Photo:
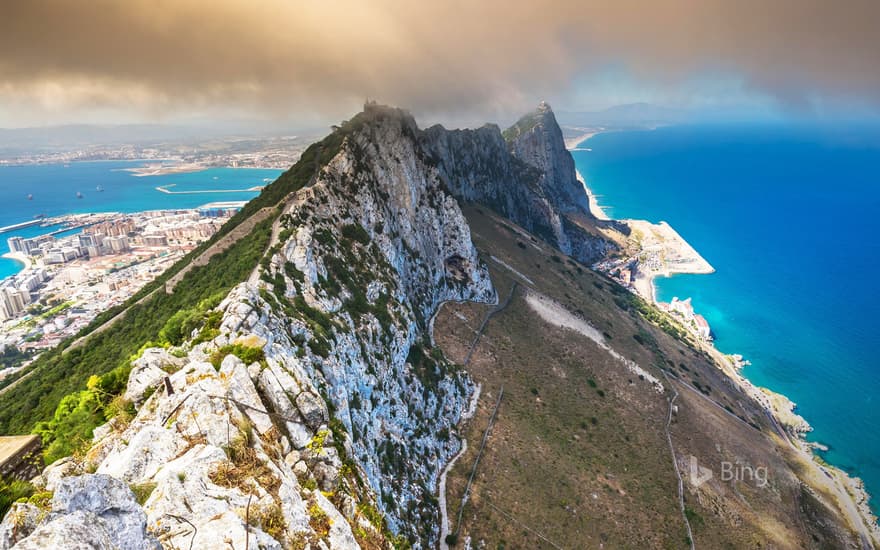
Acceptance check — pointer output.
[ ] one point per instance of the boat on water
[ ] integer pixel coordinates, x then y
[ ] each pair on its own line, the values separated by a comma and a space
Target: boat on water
79, 195
99, 189
30, 197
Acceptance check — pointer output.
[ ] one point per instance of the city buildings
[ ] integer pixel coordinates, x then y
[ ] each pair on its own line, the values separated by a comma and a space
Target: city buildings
100, 262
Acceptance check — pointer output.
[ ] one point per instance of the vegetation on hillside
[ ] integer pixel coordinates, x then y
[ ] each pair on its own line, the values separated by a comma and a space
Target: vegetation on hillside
65, 411
522, 126
11, 356
56, 400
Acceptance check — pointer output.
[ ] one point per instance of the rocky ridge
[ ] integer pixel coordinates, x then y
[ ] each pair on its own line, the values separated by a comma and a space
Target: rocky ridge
318, 415
526, 174
311, 409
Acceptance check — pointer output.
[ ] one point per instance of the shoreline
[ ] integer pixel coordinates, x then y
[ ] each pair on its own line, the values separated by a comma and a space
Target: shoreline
595, 208
150, 170
679, 257
20, 259
849, 490
162, 169
166, 189
17, 257
571, 144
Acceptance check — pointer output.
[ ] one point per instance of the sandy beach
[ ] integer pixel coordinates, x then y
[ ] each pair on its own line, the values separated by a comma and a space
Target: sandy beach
573, 142
595, 209
18, 257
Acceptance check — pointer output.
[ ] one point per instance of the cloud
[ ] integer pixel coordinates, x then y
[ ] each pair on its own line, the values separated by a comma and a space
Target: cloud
160, 56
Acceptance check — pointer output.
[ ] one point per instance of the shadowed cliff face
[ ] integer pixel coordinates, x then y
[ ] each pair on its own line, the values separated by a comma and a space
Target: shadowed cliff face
526, 174
537, 140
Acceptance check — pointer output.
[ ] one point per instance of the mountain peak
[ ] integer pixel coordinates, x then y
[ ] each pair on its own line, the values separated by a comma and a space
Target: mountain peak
537, 140
541, 116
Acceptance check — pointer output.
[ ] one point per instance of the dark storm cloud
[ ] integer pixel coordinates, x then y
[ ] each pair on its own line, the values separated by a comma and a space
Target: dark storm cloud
447, 56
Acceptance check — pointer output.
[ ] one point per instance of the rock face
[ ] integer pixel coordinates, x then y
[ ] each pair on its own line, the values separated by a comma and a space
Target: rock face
320, 415
526, 174
88, 512
536, 139
376, 244
335, 431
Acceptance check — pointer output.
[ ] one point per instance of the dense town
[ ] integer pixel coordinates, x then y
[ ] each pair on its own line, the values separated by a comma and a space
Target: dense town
91, 263
256, 152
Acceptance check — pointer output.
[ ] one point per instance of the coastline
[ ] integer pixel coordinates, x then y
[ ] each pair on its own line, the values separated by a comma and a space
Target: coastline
595, 209
154, 169
163, 169
18, 257
849, 491
572, 143
167, 190
678, 256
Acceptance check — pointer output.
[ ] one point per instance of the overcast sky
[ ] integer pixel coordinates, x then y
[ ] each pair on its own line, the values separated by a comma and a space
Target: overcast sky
316, 61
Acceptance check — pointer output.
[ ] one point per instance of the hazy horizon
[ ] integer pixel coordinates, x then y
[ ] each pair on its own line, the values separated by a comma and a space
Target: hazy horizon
458, 63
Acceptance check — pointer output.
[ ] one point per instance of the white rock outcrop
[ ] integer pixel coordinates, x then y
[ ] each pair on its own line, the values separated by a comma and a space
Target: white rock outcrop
89, 512
342, 414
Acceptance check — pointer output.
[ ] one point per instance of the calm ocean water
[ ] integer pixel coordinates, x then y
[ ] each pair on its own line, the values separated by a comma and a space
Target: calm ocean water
790, 217
54, 188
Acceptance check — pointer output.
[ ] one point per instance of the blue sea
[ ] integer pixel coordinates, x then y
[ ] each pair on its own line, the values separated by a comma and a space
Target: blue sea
789, 216
54, 189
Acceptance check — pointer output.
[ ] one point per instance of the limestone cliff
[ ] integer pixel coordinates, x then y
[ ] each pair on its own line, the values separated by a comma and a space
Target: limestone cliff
537, 140
318, 413
525, 174
311, 410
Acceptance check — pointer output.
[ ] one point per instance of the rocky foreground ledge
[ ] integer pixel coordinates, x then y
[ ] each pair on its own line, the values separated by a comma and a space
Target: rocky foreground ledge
310, 410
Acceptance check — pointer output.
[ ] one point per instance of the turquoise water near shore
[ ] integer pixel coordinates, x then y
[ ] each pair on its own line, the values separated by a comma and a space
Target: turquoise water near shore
54, 188
789, 217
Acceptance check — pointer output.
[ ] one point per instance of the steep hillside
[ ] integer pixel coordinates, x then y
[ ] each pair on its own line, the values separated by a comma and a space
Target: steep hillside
585, 452
314, 390
527, 175
312, 386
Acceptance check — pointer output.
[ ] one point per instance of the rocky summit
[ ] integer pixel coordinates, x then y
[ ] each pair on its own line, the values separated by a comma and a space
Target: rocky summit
323, 400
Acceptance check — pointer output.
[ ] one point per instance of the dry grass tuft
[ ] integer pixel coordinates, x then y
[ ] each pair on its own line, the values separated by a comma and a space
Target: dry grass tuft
319, 521
243, 467
270, 519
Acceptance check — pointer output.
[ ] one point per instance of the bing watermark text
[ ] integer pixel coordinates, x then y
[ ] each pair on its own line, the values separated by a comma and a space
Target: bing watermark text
727, 472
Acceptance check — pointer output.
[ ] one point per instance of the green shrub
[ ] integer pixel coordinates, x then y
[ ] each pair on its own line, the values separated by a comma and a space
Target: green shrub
55, 400
58, 374
247, 354
12, 490
355, 232
142, 491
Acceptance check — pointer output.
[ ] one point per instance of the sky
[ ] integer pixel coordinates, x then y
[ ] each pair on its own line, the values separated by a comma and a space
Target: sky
172, 61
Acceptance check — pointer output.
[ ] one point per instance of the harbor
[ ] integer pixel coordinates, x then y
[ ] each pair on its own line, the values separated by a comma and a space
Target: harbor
22, 225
